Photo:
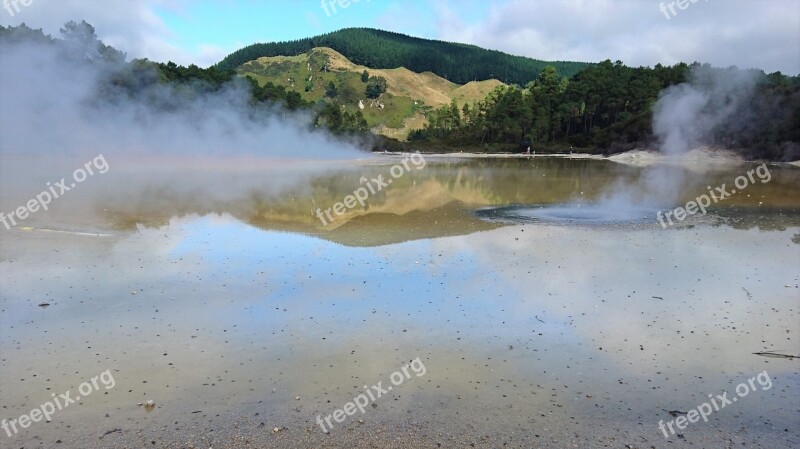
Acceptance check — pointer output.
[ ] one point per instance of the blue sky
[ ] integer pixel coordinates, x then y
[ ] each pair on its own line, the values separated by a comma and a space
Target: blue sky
233, 22
747, 33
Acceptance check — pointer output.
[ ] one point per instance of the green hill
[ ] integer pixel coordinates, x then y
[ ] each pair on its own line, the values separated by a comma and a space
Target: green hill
373, 48
395, 113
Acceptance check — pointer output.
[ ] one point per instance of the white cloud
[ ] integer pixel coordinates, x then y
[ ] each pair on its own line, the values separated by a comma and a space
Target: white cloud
129, 25
763, 34
745, 33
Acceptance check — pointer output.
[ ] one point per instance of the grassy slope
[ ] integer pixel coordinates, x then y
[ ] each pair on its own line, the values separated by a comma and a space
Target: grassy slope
408, 93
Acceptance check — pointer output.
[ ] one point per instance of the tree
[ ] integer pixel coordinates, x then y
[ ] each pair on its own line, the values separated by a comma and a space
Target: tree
294, 101
364, 76
331, 91
376, 85
83, 42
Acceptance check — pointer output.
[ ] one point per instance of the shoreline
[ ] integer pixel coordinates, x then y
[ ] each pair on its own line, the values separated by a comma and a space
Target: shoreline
638, 158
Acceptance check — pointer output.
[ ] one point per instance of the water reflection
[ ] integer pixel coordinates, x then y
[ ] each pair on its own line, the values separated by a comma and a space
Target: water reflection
436, 201
564, 325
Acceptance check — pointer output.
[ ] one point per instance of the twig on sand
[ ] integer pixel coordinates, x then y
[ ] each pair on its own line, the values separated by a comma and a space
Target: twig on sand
110, 432
776, 355
537, 317
749, 296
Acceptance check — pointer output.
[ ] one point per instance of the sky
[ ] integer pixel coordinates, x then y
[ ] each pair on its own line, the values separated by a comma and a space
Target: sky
761, 34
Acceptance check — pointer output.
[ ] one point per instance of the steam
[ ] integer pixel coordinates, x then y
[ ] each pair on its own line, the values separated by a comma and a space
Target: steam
50, 105
686, 115
59, 110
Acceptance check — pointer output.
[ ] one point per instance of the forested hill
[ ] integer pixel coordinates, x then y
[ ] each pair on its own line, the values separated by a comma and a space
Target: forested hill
458, 63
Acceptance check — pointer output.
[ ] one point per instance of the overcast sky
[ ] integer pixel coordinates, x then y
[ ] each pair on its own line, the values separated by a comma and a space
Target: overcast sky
748, 33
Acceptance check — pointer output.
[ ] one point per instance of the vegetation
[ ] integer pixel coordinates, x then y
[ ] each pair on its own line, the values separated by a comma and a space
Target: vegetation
608, 107
142, 79
458, 63
394, 112
605, 107
376, 85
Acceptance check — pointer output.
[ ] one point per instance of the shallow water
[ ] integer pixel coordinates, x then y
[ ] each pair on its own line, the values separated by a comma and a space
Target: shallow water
225, 301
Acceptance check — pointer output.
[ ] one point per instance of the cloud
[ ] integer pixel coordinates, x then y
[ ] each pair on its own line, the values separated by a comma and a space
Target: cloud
732, 32
132, 26
745, 33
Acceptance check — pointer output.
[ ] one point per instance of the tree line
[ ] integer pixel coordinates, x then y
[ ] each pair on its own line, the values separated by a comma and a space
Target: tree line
608, 107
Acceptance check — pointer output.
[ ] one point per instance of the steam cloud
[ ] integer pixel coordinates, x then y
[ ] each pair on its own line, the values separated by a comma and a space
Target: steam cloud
685, 118
47, 108
686, 115
55, 115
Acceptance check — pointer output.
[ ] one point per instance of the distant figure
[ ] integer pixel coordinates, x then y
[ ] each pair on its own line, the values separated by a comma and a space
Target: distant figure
529, 150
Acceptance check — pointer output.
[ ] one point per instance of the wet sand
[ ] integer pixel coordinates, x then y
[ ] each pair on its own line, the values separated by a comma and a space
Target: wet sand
533, 334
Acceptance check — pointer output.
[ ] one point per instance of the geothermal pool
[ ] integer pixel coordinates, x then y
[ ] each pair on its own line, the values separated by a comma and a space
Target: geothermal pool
543, 312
